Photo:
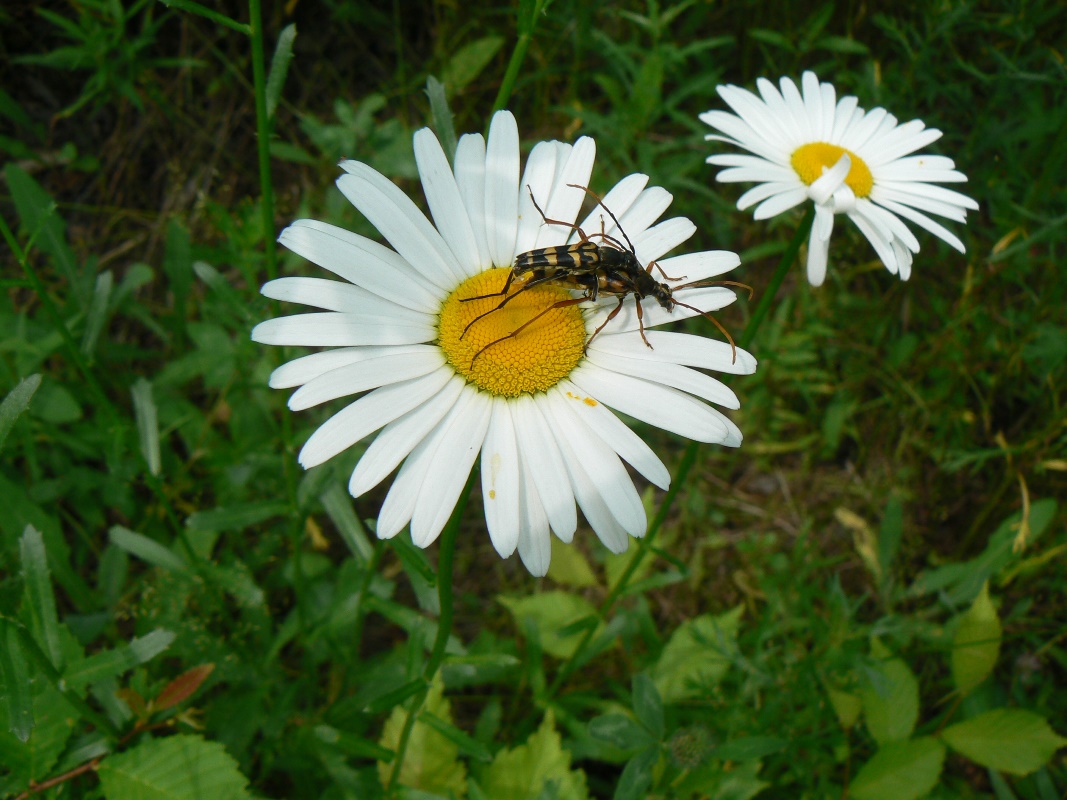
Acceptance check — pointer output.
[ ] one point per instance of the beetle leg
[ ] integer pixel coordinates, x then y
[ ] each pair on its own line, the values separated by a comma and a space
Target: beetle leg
561, 304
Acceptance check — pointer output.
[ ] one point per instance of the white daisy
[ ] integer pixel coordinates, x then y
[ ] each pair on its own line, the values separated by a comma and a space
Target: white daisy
534, 405
846, 160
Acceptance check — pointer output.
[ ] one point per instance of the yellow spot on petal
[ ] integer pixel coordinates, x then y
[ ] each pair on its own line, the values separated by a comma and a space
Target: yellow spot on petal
810, 160
532, 361
492, 494
589, 401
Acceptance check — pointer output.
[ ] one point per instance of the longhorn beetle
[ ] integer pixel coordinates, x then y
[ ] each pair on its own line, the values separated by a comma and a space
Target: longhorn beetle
610, 267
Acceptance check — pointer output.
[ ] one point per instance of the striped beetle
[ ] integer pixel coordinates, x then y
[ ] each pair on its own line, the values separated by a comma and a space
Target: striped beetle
610, 267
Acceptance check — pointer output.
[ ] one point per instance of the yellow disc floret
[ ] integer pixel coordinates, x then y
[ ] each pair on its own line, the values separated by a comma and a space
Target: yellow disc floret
809, 160
491, 355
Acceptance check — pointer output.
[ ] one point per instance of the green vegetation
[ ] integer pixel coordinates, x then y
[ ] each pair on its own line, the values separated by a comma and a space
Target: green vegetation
866, 600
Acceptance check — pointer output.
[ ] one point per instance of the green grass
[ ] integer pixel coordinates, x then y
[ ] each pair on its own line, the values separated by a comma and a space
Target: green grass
807, 617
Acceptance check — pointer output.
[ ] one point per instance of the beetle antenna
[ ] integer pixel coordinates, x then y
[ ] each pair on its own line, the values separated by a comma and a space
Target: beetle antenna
610, 213
726, 333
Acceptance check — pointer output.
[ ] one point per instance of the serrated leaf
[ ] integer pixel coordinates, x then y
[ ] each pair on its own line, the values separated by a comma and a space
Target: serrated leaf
976, 645
33, 759
17, 401
182, 687
890, 698
1010, 740
14, 684
431, 762
180, 767
552, 613
900, 771
147, 550
521, 773
40, 601
697, 655
110, 663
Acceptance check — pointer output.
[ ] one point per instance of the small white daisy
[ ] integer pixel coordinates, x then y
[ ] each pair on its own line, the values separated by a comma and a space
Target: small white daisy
534, 405
846, 160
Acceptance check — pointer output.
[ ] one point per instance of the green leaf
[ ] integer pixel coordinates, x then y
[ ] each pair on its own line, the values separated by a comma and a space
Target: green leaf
33, 759
144, 409
648, 706
279, 67
431, 762
469, 61
1008, 739
40, 601
110, 663
749, 748
847, 705
890, 698
551, 614
338, 507
147, 550
889, 535
97, 314
236, 517
522, 773
468, 745
569, 567
620, 731
443, 123
179, 767
900, 771
976, 645
14, 684
636, 776
697, 656
17, 401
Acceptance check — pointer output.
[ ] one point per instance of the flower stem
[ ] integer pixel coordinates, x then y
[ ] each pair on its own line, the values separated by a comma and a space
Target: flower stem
444, 626
689, 457
266, 190
518, 55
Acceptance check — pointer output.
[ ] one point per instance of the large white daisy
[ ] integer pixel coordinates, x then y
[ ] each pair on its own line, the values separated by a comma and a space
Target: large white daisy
844, 159
534, 405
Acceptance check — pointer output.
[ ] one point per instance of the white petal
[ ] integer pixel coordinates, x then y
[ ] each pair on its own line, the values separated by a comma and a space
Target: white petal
365, 375
470, 177
662, 238
880, 243
920, 219
830, 181
674, 375
446, 203
400, 437
599, 462
363, 262
301, 370
615, 434
333, 329
782, 202
500, 480
536, 184
344, 297
657, 405
566, 200
535, 546
502, 188
464, 431
819, 245
679, 348
700, 266
399, 220
546, 465
369, 413
703, 299
646, 209
617, 201
757, 194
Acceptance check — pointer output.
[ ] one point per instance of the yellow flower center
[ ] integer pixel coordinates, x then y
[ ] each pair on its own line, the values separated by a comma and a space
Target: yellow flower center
496, 358
809, 160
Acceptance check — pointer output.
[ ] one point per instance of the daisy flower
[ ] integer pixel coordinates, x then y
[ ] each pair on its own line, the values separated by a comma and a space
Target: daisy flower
535, 406
844, 159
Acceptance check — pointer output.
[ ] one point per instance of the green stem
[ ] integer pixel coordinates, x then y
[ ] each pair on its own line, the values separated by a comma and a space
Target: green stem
689, 457
518, 55
444, 626
266, 190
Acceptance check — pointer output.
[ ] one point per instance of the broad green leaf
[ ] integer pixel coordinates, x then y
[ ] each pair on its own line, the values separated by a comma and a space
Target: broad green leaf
279, 67
1010, 740
468, 63
110, 663
636, 776
178, 767
847, 705
147, 550
144, 409
552, 613
570, 567
620, 731
34, 758
900, 771
17, 401
17, 707
40, 601
648, 705
431, 762
890, 698
976, 645
697, 656
521, 773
